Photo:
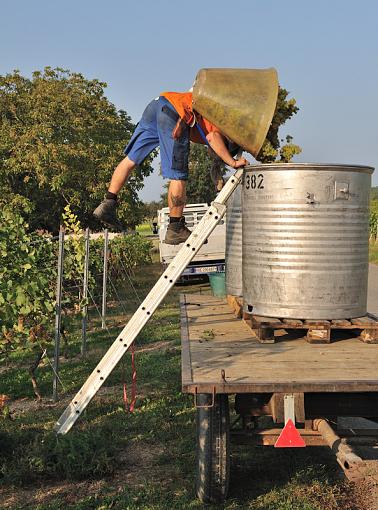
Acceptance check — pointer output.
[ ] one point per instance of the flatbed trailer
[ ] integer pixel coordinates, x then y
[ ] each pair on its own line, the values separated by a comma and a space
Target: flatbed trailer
331, 388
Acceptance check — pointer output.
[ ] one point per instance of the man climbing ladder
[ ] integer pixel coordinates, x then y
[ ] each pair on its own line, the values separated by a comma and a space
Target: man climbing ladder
260, 94
170, 122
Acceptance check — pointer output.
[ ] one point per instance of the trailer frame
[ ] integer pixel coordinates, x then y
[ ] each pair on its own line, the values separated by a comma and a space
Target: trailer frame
215, 367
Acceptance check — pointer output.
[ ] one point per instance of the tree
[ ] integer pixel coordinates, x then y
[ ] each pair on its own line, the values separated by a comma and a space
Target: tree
374, 193
150, 210
60, 139
200, 187
272, 149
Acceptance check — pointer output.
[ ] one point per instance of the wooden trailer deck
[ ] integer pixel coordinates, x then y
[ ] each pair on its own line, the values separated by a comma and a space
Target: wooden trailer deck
221, 355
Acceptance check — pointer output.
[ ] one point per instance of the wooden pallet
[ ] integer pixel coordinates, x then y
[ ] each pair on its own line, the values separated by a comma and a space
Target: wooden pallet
219, 351
318, 331
236, 305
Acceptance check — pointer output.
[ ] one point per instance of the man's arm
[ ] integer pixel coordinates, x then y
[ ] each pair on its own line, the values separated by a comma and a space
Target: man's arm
216, 142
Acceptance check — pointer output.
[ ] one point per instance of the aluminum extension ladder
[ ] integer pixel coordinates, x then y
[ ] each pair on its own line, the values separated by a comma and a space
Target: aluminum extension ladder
161, 288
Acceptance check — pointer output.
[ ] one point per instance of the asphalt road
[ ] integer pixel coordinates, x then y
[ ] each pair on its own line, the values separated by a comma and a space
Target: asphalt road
373, 289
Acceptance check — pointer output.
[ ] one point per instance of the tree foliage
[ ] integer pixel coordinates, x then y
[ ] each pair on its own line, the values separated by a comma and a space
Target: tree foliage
60, 139
125, 253
373, 221
374, 194
28, 263
273, 148
373, 225
150, 210
200, 187
27, 276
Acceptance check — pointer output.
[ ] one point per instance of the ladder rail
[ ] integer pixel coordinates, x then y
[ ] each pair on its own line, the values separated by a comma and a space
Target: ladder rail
145, 311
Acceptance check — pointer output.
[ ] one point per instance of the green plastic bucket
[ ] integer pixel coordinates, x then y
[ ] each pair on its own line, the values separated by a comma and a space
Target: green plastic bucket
218, 284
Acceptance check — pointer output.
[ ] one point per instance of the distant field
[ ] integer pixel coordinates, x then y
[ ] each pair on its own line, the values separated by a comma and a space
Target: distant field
144, 229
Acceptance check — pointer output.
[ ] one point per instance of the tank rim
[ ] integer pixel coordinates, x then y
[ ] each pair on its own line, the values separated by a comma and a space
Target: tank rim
312, 166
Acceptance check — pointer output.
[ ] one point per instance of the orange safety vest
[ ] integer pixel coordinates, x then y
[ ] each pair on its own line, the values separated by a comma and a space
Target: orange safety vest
182, 103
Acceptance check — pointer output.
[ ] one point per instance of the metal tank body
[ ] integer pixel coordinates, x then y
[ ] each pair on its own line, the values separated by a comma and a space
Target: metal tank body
305, 240
234, 278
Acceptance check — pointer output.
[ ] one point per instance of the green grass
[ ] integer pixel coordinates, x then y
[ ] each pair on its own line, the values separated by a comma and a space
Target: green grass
144, 229
373, 253
144, 460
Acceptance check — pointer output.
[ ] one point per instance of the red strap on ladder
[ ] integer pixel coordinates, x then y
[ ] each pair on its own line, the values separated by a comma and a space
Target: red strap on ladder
130, 407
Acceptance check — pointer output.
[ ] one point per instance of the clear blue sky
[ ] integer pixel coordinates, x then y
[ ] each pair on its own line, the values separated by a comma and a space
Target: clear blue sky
326, 54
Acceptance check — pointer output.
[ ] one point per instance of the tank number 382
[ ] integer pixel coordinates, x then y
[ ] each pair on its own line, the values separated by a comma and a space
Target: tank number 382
253, 181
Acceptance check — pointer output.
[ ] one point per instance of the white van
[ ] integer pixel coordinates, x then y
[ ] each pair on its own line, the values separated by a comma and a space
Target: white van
210, 258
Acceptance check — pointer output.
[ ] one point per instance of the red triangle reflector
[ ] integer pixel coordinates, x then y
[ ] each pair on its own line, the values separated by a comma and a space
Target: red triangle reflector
289, 437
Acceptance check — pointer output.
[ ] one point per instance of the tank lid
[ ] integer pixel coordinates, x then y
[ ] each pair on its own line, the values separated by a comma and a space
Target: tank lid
311, 166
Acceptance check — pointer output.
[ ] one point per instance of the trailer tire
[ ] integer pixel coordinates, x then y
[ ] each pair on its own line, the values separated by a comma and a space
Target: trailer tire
213, 448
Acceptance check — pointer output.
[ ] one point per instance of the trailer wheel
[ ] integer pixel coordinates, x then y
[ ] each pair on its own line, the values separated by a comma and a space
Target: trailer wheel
213, 448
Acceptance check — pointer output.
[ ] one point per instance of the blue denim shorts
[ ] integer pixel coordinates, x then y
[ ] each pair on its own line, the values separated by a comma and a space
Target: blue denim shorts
155, 130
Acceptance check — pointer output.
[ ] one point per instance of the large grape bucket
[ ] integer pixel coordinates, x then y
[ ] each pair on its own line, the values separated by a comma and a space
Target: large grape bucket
240, 102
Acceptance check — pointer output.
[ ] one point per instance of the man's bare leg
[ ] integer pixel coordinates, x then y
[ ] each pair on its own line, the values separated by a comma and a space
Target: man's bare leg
176, 198
177, 231
107, 210
121, 174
